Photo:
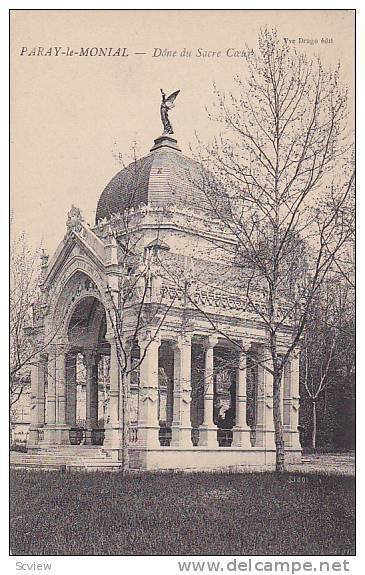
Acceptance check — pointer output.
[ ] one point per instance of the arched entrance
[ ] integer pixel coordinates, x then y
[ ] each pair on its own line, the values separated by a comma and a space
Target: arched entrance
87, 372
72, 377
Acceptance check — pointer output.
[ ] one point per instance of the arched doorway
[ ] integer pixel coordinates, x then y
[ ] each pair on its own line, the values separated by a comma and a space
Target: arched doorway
87, 371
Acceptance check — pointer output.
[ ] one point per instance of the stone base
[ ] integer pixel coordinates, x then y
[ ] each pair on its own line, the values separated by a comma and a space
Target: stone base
171, 459
241, 437
208, 437
33, 437
165, 141
88, 437
205, 459
148, 437
196, 459
269, 439
112, 438
181, 437
56, 435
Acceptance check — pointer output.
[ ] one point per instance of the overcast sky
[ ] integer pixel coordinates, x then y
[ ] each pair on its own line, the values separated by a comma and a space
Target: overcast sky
70, 112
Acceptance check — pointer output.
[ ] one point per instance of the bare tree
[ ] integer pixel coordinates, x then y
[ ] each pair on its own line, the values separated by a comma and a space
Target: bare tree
280, 180
328, 339
23, 288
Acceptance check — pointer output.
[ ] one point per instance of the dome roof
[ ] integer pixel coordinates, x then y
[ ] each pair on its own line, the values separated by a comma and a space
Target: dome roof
163, 177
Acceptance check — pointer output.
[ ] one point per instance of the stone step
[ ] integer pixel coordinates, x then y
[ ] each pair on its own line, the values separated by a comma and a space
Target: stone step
91, 466
57, 460
72, 448
64, 457
80, 451
64, 462
60, 452
63, 454
39, 466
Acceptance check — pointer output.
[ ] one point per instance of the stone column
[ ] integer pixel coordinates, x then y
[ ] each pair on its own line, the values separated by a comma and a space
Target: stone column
269, 429
37, 405
71, 389
170, 391
125, 397
51, 395
49, 428
61, 386
208, 431
286, 403
241, 431
113, 425
91, 395
181, 423
148, 425
260, 398
295, 397
62, 429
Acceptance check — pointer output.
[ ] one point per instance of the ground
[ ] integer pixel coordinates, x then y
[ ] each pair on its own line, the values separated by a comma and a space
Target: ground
54, 513
328, 463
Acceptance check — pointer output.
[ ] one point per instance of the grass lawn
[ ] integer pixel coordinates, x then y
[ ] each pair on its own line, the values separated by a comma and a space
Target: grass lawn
55, 513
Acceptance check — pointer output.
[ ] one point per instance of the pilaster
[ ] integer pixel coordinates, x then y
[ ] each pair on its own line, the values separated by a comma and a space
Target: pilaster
71, 389
49, 428
37, 399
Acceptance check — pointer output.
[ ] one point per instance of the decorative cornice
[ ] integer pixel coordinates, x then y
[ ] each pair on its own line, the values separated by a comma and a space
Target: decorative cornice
171, 216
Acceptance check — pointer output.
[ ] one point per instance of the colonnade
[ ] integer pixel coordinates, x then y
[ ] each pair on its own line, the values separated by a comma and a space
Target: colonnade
53, 414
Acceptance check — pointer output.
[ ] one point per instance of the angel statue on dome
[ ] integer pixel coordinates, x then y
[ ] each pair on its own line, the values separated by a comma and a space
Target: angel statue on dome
166, 105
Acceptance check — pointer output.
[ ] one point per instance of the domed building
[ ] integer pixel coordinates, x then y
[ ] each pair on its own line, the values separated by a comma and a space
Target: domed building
164, 177
146, 344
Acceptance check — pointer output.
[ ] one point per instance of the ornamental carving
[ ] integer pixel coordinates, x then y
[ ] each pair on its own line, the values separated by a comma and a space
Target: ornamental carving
74, 220
149, 394
186, 396
87, 287
184, 217
217, 299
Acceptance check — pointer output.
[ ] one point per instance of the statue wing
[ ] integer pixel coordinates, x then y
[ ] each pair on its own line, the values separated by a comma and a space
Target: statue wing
171, 99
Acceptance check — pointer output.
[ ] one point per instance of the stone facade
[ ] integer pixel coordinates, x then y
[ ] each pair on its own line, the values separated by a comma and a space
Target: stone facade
179, 364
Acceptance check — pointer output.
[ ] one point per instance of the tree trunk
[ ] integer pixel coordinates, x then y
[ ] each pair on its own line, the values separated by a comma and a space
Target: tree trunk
124, 417
314, 431
279, 437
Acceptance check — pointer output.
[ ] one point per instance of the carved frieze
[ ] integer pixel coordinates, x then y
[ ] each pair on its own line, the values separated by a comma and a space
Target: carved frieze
217, 299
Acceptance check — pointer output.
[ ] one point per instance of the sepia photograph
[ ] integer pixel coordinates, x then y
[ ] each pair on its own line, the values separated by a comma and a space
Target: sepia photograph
182, 285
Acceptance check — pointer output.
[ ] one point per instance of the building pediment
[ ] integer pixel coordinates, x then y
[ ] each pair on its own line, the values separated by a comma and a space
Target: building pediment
76, 244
